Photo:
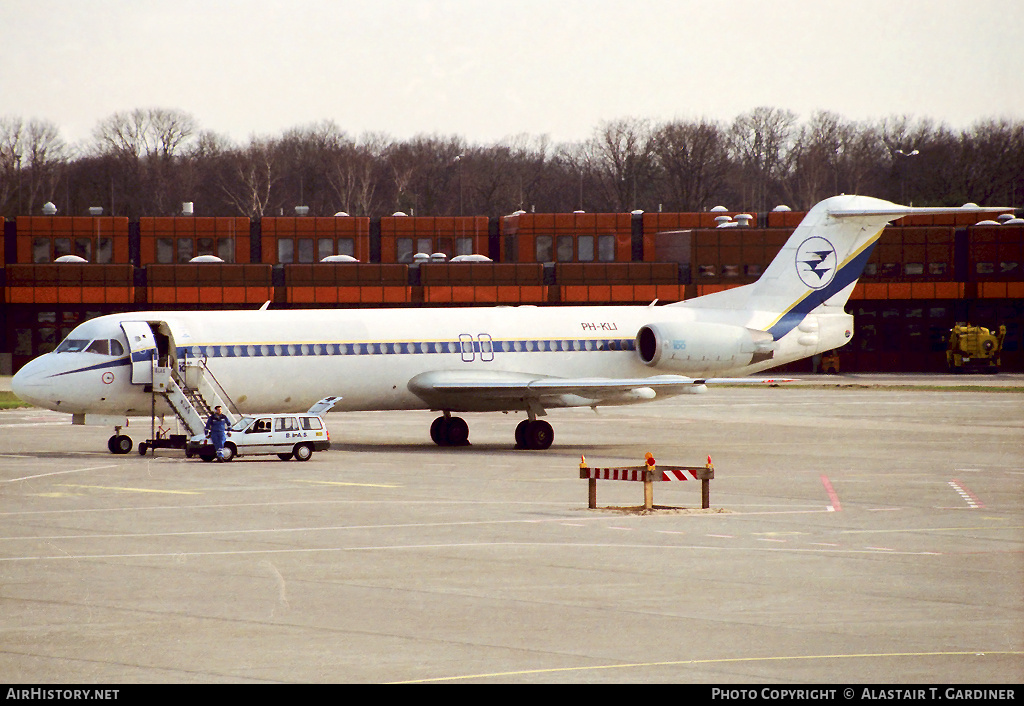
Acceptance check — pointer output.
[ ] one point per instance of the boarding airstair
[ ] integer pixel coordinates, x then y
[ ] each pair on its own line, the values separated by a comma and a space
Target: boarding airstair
193, 392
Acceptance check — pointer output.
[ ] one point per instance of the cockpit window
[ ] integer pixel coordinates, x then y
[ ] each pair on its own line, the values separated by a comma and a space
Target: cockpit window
73, 345
100, 345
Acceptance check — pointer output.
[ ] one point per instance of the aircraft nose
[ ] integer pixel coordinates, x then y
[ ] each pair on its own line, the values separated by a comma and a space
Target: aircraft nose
29, 384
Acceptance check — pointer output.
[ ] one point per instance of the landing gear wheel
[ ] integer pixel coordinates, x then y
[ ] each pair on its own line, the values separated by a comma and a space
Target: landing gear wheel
535, 434
437, 428
119, 444
458, 432
450, 431
521, 433
303, 452
143, 448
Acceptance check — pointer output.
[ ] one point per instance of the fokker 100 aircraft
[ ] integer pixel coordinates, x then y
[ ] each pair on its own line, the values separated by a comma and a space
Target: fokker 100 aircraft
511, 359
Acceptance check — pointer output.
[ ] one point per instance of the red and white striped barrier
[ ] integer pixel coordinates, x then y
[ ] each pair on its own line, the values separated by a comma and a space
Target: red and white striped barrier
648, 474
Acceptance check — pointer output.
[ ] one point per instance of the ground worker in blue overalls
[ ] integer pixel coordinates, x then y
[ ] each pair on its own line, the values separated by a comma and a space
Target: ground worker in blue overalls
217, 430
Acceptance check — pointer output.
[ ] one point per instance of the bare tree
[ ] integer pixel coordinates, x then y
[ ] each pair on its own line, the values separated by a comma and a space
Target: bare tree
248, 177
147, 143
693, 160
760, 142
621, 158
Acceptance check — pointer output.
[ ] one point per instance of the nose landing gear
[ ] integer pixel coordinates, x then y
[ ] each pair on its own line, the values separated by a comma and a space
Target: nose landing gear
119, 443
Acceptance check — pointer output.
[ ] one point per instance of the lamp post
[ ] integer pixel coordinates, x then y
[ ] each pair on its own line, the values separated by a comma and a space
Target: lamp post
458, 160
903, 172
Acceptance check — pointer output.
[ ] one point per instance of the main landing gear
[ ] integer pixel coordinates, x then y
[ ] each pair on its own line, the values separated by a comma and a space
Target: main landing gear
453, 431
450, 431
534, 434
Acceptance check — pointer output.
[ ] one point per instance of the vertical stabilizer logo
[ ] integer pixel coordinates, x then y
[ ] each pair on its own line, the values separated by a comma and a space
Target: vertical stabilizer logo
816, 262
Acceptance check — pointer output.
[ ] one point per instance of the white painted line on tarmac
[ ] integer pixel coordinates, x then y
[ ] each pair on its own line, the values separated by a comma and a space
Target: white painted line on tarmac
59, 473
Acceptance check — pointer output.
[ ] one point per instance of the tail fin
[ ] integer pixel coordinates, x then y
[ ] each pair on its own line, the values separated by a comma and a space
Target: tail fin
821, 262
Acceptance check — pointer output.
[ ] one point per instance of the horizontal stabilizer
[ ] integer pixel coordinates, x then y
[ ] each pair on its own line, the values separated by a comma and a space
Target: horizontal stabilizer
893, 211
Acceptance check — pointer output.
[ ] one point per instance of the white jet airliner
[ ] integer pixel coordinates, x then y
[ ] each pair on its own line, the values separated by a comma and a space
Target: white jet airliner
524, 359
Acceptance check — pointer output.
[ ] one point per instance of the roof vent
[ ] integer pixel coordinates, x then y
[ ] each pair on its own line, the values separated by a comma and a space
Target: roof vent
49, 209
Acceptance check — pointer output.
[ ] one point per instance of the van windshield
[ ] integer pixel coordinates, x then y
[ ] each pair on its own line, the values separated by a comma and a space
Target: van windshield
242, 424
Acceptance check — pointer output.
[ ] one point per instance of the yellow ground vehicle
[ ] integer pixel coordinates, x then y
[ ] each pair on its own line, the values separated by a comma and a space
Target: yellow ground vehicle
830, 362
974, 348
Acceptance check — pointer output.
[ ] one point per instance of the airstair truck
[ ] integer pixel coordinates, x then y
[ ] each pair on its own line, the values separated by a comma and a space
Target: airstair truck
974, 348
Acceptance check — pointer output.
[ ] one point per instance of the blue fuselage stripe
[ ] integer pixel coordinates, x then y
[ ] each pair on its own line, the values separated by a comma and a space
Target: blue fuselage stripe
297, 350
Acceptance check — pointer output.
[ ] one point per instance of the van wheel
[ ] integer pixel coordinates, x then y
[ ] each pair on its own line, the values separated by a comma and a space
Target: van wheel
207, 456
285, 457
303, 452
226, 453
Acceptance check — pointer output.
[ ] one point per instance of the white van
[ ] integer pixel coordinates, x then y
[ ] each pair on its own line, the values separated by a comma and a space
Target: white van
286, 435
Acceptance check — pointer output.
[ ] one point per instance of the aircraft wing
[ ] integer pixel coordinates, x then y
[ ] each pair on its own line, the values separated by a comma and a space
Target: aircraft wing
479, 390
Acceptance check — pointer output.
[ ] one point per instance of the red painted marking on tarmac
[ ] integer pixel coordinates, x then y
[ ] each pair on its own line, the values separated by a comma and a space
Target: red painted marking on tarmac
831, 494
970, 498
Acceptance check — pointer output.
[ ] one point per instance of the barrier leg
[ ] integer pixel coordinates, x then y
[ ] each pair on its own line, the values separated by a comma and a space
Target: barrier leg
705, 494
592, 493
648, 494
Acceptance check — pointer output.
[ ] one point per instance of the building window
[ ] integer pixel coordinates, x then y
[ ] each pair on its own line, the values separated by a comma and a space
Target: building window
403, 250
585, 248
324, 248
565, 248
41, 250
226, 249
285, 251
543, 244
164, 251
606, 248
185, 249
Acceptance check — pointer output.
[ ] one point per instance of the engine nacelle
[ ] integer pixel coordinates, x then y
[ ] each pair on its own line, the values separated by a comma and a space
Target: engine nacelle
694, 347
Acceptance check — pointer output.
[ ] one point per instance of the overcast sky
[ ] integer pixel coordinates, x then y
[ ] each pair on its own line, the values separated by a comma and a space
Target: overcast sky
486, 69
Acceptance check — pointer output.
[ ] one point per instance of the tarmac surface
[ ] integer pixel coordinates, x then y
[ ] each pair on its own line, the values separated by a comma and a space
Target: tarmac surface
862, 530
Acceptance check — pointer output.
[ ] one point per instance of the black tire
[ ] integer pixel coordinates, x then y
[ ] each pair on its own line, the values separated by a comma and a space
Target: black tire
227, 453
539, 435
119, 444
437, 431
285, 457
302, 452
521, 434
207, 456
143, 448
457, 433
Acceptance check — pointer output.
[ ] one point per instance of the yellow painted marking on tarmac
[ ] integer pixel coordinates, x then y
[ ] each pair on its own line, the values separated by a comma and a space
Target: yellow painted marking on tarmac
134, 490
360, 485
634, 665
